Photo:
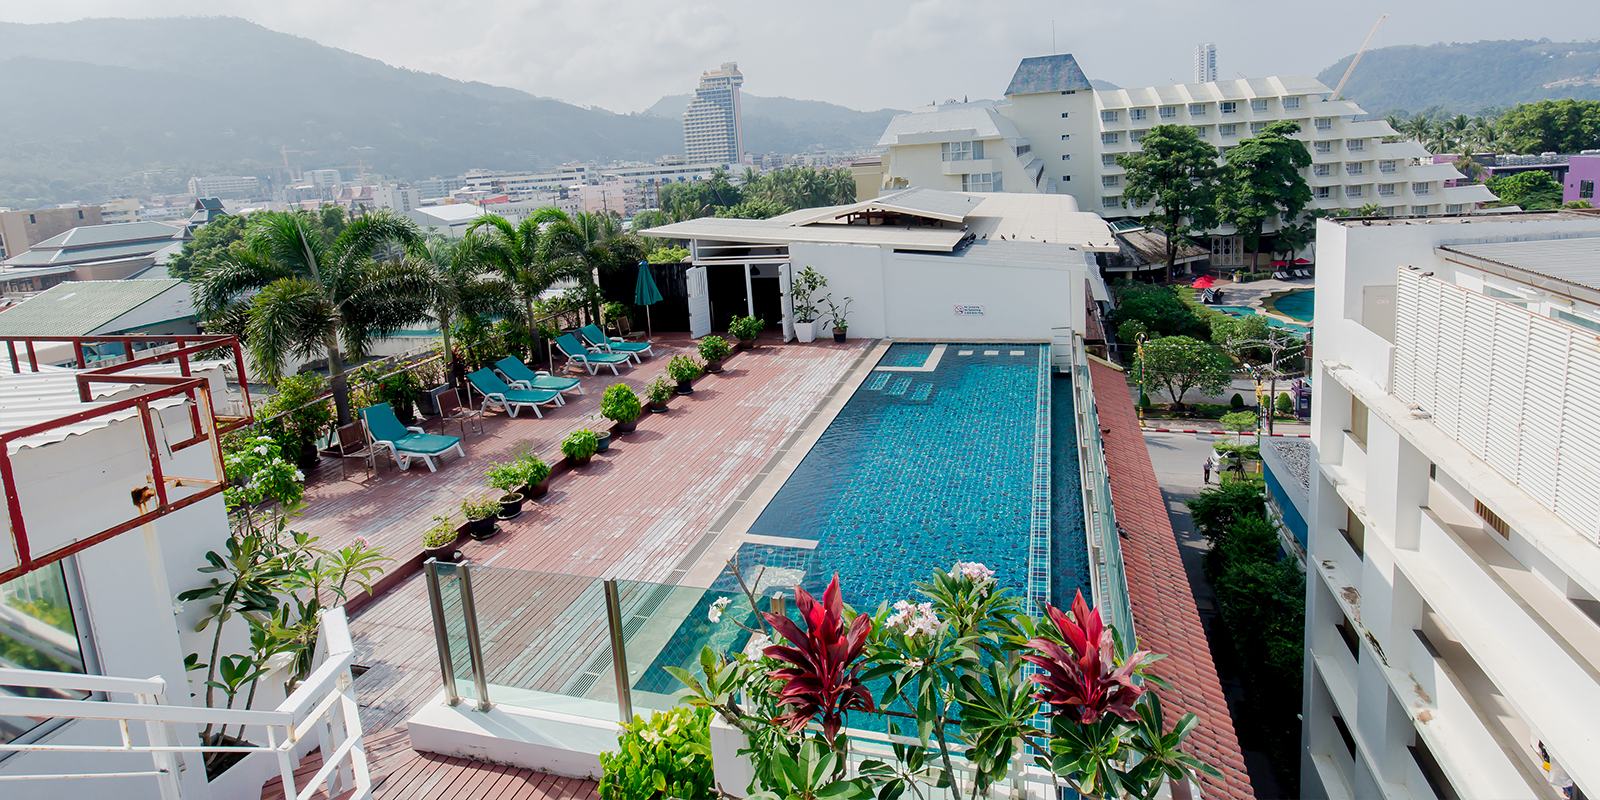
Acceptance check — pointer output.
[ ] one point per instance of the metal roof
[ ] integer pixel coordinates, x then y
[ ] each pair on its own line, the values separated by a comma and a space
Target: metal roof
30, 398
963, 121
1058, 73
80, 255
1573, 260
78, 308
110, 233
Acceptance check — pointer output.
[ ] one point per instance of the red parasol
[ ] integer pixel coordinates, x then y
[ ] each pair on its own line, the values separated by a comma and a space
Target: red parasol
1280, 264
1204, 282
1301, 261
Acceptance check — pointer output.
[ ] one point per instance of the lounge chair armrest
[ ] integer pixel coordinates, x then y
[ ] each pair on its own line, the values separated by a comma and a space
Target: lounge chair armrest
618, 339
415, 429
543, 372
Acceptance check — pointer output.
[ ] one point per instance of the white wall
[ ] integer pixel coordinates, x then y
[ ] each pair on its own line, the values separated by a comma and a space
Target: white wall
854, 271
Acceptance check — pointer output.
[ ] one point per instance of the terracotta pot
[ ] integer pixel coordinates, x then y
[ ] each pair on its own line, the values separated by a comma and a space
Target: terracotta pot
714, 367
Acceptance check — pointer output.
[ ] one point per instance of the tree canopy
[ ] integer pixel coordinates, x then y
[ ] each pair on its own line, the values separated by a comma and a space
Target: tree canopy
1531, 190
1264, 180
1560, 126
1177, 172
1180, 364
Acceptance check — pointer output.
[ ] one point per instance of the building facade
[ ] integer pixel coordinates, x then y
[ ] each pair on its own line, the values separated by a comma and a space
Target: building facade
218, 185
1205, 62
124, 209
1453, 600
1054, 133
20, 230
1583, 172
711, 128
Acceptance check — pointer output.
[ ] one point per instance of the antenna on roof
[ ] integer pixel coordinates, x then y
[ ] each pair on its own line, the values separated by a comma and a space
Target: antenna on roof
1053, 50
1241, 74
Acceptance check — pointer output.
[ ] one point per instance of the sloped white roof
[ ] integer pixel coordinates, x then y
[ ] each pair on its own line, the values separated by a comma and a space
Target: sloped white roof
1276, 86
949, 122
30, 398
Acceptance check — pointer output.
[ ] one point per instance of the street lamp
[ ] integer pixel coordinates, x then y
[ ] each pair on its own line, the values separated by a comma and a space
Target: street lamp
1138, 354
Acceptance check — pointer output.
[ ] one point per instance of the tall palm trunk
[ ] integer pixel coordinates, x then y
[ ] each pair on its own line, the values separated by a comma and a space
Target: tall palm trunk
338, 383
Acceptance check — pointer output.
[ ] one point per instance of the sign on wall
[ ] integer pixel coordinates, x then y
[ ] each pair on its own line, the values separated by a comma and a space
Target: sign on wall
969, 311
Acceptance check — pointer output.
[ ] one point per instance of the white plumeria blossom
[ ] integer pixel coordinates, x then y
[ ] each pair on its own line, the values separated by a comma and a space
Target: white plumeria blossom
916, 663
973, 571
715, 613
915, 619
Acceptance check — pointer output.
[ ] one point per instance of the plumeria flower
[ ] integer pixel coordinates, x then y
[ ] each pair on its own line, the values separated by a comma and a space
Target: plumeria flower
362, 542
261, 448
914, 619
916, 663
973, 571
758, 645
715, 614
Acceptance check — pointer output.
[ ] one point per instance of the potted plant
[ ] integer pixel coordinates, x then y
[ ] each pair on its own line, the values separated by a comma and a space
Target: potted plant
745, 329
439, 541
659, 392
508, 477
535, 477
480, 513
295, 420
621, 405
400, 390
616, 315
712, 350
602, 440
684, 370
580, 446
837, 314
805, 287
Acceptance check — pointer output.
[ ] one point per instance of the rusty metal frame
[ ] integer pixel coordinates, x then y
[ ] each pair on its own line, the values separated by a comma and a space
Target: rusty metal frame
204, 426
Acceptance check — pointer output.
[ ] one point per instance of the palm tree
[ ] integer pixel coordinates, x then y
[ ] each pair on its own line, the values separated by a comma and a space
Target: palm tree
310, 295
460, 283
590, 244
517, 253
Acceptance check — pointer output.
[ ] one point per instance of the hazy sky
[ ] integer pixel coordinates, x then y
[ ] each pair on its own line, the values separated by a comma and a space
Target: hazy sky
625, 54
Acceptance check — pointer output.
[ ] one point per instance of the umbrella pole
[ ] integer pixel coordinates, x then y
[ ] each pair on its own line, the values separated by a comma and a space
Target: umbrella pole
649, 332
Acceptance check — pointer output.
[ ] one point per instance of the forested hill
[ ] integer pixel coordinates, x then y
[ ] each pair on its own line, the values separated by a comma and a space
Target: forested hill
1467, 78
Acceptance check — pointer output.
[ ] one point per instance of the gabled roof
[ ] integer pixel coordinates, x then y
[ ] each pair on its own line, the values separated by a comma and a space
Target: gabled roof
117, 233
1058, 73
79, 308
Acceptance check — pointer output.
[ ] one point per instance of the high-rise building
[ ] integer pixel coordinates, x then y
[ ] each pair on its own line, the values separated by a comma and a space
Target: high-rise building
1205, 62
223, 185
1453, 581
711, 130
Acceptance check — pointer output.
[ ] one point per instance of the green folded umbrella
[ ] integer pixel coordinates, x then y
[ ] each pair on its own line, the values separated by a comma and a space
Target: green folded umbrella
646, 294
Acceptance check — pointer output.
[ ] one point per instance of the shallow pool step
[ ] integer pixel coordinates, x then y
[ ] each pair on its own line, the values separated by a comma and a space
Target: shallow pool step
899, 387
876, 382
922, 392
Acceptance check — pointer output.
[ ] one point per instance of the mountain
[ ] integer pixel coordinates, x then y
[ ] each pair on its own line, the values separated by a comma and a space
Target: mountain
786, 125
1467, 78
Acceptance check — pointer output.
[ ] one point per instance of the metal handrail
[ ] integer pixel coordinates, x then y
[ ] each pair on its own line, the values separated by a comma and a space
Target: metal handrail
324, 704
1105, 542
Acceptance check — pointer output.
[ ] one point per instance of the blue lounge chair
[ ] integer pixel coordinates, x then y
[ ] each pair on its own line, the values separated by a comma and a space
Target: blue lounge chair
591, 360
596, 338
496, 393
518, 376
386, 433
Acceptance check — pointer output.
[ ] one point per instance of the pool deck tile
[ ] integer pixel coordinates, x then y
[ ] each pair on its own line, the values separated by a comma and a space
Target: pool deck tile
1164, 609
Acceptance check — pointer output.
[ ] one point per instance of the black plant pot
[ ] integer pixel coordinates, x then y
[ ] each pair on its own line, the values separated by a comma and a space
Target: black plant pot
445, 553
658, 408
746, 344
510, 505
405, 412
308, 456
627, 427
714, 367
481, 528
838, 335
686, 387
534, 491
579, 462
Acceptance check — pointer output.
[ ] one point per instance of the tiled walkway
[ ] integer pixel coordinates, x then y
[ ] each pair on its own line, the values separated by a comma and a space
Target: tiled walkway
633, 513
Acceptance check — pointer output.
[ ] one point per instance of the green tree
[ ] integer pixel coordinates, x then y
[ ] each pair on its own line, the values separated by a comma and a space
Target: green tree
1157, 308
1177, 172
1180, 364
1559, 126
1264, 181
213, 243
459, 282
518, 253
1531, 190
754, 208
311, 295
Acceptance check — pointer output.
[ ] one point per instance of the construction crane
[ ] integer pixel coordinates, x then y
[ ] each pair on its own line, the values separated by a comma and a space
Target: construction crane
361, 165
1359, 53
286, 168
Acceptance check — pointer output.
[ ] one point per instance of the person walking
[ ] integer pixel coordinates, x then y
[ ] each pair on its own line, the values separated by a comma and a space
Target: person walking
1207, 470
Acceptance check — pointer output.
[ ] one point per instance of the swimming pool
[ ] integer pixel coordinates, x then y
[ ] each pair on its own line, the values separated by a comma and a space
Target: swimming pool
1296, 304
945, 452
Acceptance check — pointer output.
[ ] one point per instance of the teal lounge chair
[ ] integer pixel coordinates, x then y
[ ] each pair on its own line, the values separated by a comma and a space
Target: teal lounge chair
518, 376
591, 360
596, 338
386, 433
496, 393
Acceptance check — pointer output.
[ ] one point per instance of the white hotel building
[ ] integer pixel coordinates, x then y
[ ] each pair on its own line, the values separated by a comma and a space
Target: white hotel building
1056, 134
1452, 621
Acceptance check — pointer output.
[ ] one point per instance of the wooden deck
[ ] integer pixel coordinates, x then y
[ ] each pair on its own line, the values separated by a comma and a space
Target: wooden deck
634, 513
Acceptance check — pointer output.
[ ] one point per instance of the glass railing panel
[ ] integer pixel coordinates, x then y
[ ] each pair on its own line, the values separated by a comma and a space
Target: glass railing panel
667, 626
455, 628
544, 639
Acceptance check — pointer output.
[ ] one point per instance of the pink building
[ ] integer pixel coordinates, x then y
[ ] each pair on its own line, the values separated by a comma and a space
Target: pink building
1582, 175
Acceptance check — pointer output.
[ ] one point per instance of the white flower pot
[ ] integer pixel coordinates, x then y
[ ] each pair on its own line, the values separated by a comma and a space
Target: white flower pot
731, 771
805, 331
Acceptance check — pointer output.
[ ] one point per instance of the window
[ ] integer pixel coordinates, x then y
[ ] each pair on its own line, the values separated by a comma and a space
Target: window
1109, 115
1200, 130
1108, 159
1168, 112
1113, 201
1322, 170
1352, 191
1585, 190
31, 220
1197, 109
1419, 211
1324, 123
1257, 127
1422, 188
80, 213
1066, 178
1291, 103
1138, 114
1358, 422
1066, 157
1321, 192
1111, 138
1258, 105
1355, 168
1063, 116
957, 151
1230, 107
1347, 632
1109, 181
1455, 208
1228, 130
1388, 167
1323, 148
981, 182
1491, 519
1355, 145
39, 633
1386, 189
1355, 532
1065, 136
1135, 137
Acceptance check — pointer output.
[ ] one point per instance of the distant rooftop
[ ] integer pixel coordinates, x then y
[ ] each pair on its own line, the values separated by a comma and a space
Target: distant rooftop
975, 120
98, 243
81, 308
1571, 260
1058, 73
92, 235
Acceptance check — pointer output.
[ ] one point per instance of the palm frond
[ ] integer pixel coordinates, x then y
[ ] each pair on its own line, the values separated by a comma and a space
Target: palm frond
288, 318
225, 285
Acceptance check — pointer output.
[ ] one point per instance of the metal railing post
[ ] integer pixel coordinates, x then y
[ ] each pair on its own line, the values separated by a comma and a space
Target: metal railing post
619, 655
480, 678
440, 637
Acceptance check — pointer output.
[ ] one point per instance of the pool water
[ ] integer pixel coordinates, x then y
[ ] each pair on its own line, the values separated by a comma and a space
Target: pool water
919, 469
1296, 304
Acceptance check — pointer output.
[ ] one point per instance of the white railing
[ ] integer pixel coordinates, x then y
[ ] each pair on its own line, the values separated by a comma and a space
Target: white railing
324, 705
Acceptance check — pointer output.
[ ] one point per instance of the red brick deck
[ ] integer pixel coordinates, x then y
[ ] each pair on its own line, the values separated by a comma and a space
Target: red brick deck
1163, 604
633, 513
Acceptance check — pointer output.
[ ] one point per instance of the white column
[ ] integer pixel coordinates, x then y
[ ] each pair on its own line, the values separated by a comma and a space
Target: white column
749, 293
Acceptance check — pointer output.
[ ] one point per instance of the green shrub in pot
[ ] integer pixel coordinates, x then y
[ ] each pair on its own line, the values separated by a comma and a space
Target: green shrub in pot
580, 445
683, 369
620, 404
712, 350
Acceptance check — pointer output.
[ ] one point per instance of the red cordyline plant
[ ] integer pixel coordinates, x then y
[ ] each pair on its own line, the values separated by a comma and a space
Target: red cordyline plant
1082, 680
824, 677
